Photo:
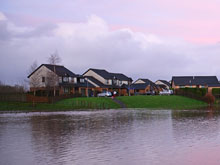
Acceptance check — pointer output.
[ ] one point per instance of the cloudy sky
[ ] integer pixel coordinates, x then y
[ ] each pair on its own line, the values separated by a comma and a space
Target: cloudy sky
153, 39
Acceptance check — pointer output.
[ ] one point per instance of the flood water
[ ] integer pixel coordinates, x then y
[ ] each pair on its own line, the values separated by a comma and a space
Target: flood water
111, 137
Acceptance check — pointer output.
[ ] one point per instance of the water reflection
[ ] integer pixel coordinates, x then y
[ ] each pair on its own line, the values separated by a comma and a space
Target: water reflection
109, 137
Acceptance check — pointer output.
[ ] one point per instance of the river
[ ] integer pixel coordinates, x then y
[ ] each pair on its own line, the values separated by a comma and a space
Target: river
111, 137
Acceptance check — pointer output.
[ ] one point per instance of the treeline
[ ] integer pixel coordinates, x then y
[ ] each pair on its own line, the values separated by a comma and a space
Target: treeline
10, 93
8, 89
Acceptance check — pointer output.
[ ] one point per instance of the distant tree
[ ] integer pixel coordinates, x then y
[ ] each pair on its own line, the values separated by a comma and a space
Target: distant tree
52, 78
209, 98
33, 67
54, 58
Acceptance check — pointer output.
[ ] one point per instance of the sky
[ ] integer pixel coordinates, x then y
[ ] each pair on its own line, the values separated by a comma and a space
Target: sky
152, 39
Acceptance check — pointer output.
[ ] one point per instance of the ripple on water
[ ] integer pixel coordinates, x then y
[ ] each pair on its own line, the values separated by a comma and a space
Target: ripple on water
110, 137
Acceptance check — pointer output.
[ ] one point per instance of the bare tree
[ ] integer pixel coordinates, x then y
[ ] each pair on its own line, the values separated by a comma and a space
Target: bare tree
54, 58
33, 67
52, 78
34, 80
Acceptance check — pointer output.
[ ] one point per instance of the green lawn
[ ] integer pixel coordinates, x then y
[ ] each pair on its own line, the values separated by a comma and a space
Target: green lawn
90, 102
67, 104
161, 102
149, 102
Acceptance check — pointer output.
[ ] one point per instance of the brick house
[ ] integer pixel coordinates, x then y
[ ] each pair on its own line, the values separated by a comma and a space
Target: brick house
48, 77
163, 84
142, 86
208, 82
106, 81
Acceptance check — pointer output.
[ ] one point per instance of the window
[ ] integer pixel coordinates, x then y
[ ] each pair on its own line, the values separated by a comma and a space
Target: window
81, 80
66, 90
43, 79
60, 79
106, 81
75, 80
65, 79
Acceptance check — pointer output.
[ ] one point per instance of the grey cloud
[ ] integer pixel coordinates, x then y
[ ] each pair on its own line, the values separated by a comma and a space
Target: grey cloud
117, 51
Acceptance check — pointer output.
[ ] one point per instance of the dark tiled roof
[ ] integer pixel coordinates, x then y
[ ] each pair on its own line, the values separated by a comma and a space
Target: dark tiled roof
214, 85
144, 85
60, 70
100, 84
107, 75
77, 85
102, 73
165, 82
194, 80
120, 76
139, 86
145, 80
97, 82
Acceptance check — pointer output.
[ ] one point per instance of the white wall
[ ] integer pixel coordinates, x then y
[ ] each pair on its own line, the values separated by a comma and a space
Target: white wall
36, 77
95, 75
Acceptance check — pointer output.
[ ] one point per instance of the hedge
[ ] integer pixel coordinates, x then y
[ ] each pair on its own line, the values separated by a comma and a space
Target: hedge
200, 92
216, 91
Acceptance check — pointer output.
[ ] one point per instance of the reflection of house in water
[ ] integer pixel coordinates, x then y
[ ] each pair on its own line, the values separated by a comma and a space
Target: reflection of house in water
104, 132
193, 125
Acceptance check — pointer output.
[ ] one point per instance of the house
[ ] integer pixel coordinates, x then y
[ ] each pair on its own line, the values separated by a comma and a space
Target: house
142, 86
208, 82
107, 81
163, 84
48, 78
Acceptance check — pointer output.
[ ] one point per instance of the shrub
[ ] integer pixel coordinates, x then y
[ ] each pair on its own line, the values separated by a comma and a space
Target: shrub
199, 92
216, 91
209, 98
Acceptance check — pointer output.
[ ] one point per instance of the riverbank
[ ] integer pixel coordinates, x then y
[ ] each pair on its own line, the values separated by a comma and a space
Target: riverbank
162, 102
82, 103
92, 103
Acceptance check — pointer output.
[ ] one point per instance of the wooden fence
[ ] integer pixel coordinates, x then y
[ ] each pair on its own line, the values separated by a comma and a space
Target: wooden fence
13, 97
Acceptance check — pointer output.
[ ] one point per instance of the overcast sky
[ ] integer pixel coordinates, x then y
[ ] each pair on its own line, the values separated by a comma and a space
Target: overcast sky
153, 39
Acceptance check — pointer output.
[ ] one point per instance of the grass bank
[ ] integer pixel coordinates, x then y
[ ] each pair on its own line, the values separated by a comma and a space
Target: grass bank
161, 102
67, 104
83, 103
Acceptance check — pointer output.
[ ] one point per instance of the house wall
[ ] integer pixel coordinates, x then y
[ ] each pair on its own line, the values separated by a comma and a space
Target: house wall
91, 82
139, 82
161, 83
210, 89
36, 78
95, 75
125, 82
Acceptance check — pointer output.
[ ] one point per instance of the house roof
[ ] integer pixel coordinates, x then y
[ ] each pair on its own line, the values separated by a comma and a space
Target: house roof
165, 82
85, 84
195, 80
97, 82
143, 85
107, 75
139, 86
145, 80
100, 84
60, 70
